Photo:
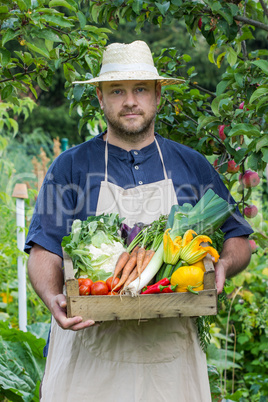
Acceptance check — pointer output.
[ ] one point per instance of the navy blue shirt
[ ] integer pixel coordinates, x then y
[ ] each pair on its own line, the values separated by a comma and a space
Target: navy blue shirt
71, 187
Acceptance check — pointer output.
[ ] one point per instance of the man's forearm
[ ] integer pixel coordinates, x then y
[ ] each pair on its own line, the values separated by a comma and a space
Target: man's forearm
45, 273
236, 255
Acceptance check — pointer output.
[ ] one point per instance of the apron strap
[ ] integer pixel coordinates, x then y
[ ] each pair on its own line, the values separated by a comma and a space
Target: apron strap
106, 159
161, 157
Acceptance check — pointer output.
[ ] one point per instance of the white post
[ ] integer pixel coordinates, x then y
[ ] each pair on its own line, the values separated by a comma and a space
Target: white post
20, 192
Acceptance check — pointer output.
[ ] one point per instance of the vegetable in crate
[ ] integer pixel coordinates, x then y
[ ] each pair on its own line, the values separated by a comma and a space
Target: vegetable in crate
94, 246
205, 217
188, 278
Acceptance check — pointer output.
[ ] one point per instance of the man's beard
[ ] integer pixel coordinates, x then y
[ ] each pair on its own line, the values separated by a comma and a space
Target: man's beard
128, 134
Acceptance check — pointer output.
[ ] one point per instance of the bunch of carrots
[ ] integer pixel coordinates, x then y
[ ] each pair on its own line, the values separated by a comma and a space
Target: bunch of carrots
139, 253
130, 265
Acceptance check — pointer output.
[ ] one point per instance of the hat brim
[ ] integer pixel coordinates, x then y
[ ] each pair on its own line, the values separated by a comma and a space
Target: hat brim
131, 76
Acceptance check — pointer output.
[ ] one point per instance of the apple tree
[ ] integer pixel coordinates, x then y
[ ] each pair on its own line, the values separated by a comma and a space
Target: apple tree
229, 124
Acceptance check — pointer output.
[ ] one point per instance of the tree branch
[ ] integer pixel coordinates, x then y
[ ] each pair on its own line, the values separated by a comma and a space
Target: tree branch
203, 89
249, 21
265, 9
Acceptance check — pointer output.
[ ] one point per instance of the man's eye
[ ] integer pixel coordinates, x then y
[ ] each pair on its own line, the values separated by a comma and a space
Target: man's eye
117, 91
140, 89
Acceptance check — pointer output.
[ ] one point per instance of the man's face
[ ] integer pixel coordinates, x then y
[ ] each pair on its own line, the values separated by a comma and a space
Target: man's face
130, 107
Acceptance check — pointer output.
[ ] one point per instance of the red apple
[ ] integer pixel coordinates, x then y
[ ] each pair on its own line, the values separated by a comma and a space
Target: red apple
249, 179
221, 132
250, 211
200, 23
232, 167
253, 245
215, 163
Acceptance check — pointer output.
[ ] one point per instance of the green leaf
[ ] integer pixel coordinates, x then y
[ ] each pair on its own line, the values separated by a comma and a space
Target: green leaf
6, 91
163, 7
244, 129
205, 121
78, 92
263, 142
226, 14
57, 20
265, 154
239, 155
263, 101
222, 85
9, 35
137, 6
5, 57
256, 94
215, 104
211, 53
14, 125
41, 83
4, 9
263, 64
240, 79
62, 3
231, 56
47, 33
82, 19
43, 51
22, 5
69, 72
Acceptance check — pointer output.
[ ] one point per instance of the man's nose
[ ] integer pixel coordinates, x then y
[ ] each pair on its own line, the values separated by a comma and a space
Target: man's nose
130, 99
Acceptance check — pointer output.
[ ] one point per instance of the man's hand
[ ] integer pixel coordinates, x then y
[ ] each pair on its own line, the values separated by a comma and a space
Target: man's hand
46, 275
58, 310
234, 258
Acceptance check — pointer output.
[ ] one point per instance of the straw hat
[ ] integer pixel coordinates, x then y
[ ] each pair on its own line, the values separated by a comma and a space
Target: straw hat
123, 62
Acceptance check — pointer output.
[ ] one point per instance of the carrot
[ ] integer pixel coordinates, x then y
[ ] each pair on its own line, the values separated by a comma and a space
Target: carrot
140, 258
128, 268
133, 275
148, 256
135, 249
120, 264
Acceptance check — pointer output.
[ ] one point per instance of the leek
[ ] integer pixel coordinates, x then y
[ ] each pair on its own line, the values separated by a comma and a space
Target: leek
148, 274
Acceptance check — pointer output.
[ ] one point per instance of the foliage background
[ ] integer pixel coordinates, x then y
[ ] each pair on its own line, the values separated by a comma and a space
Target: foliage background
44, 46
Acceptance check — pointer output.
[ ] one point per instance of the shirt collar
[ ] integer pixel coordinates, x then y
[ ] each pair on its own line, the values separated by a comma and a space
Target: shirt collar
122, 154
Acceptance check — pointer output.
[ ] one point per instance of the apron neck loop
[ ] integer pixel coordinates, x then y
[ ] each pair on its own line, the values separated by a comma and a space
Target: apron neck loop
106, 159
161, 157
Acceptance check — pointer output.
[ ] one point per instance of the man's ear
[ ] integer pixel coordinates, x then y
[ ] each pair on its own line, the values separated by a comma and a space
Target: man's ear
158, 92
100, 97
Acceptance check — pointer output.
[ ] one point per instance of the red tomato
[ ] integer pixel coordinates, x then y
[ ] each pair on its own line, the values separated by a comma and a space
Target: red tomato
84, 290
109, 282
99, 288
87, 282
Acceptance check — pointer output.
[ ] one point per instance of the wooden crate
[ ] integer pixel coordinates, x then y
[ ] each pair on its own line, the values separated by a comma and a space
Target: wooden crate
108, 308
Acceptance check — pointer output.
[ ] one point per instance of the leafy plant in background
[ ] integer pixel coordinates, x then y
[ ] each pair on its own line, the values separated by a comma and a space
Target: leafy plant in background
21, 362
239, 347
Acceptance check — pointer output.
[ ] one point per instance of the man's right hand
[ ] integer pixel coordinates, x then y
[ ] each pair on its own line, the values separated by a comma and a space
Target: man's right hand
58, 310
46, 276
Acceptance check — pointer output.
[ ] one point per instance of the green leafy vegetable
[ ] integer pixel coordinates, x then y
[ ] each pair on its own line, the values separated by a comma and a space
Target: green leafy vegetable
94, 245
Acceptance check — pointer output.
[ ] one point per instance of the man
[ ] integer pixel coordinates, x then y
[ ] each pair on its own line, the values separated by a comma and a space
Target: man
133, 171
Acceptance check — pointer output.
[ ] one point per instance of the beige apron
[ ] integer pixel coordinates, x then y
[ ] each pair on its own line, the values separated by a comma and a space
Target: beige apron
157, 360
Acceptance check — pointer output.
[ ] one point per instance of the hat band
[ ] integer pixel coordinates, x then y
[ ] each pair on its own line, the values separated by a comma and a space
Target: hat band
115, 67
